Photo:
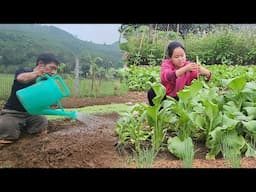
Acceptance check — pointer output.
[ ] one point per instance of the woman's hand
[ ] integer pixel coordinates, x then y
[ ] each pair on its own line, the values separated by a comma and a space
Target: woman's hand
205, 72
187, 68
192, 67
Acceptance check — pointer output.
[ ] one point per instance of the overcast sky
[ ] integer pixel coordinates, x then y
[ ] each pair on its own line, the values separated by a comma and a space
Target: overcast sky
97, 33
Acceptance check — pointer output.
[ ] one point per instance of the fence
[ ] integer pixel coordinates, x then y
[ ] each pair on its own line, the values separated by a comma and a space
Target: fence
101, 87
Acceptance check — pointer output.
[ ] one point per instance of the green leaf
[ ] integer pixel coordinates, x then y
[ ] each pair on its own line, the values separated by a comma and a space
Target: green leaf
250, 126
214, 142
236, 141
228, 122
177, 147
190, 91
237, 84
197, 119
250, 152
160, 92
251, 111
211, 110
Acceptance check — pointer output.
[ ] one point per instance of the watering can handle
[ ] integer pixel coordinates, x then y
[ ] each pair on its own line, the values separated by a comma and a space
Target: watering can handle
42, 77
60, 106
62, 83
59, 78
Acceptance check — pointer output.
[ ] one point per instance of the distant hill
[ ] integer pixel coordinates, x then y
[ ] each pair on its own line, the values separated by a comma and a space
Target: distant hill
21, 43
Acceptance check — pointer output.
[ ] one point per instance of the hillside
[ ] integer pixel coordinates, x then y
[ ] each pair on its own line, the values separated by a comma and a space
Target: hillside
21, 43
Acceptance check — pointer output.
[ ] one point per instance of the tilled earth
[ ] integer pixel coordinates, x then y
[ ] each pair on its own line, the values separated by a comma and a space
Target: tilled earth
71, 144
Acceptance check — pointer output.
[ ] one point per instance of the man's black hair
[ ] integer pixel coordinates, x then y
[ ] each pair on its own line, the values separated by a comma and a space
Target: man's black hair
172, 46
47, 58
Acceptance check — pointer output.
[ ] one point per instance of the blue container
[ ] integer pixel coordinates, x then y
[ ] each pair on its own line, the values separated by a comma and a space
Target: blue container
38, 98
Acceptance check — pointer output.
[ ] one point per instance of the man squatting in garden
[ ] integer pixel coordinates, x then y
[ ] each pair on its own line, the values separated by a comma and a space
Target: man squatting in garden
14, 119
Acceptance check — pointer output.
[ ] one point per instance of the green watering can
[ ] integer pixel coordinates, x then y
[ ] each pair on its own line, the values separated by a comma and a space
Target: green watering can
38, 98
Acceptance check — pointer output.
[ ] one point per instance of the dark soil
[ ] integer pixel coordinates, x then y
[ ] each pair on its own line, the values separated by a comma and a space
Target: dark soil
71, 144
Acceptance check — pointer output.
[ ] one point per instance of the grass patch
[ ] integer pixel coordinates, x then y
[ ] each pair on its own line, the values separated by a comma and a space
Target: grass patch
106, 88
5, 85
96, 109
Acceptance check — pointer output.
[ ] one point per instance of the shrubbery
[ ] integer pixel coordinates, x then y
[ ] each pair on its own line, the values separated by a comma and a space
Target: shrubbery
220, 46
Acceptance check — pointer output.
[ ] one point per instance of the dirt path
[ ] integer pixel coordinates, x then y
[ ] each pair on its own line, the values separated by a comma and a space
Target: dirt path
71, 144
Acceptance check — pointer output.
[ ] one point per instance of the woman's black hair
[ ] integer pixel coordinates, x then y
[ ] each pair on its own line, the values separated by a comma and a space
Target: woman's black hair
172, 46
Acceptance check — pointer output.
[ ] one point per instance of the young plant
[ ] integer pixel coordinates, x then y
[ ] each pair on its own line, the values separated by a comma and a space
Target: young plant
183, 149
131, 129
188, 153
156, 116
145, 158
229, 153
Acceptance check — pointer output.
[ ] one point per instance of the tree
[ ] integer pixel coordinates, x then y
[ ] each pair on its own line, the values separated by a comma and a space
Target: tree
93, 69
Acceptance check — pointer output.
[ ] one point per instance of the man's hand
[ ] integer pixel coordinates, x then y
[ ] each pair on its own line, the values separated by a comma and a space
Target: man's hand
40, 71
55, 106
